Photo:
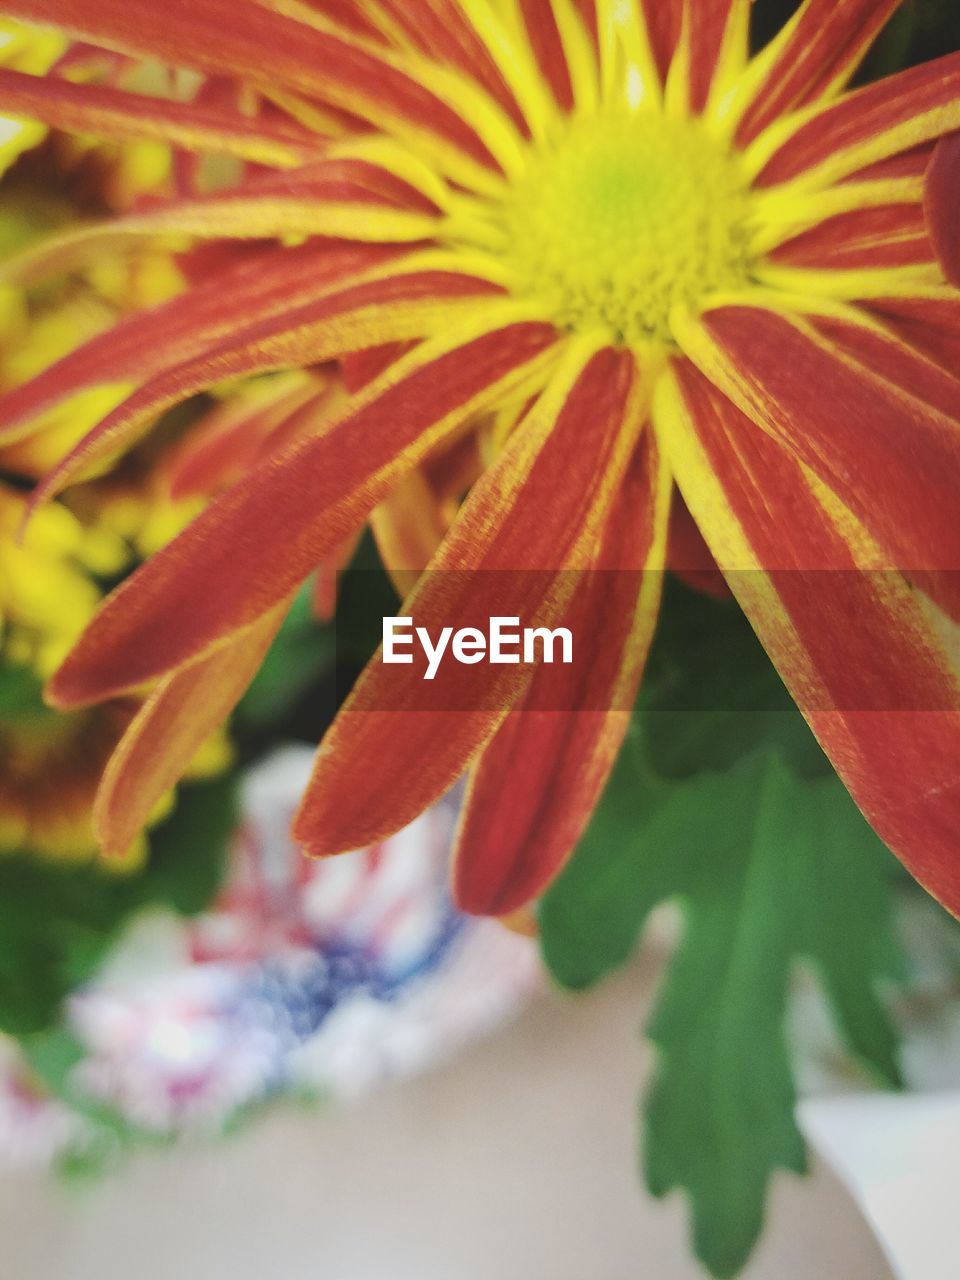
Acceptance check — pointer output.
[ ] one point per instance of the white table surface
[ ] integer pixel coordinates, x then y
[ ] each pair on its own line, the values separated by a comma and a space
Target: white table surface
513, 1163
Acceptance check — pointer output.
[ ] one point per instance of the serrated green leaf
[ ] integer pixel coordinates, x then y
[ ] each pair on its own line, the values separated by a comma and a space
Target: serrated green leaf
771, 869
722, 804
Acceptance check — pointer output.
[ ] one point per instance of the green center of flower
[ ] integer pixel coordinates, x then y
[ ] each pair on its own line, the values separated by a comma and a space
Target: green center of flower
624, 219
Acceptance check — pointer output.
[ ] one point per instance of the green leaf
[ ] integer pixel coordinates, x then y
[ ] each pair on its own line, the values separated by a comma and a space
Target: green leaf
53, 930
188, 853
772, 869
722, 804
302, 653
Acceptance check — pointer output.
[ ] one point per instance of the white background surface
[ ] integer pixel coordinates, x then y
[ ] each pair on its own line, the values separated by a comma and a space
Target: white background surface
901, 1158
514, 1163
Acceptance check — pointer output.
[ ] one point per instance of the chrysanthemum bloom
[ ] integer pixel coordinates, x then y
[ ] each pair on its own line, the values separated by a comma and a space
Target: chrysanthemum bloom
652, 263
52, 762
49, 181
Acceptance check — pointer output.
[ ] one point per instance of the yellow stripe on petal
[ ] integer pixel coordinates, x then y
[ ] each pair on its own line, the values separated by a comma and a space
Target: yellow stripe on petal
514, 60
849, 286
580, 55
114, 114
471, 103
732, 60
172, 726
241, 218
358, 329
393, 157
853, 642
628, 65
302, 508
782, 212
826, 143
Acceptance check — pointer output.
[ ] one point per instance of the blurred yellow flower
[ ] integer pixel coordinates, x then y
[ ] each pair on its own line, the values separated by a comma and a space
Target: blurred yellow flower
33, 51
53, 762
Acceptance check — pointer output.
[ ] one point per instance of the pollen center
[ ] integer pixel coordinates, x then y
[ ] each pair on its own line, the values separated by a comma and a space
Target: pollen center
623, 219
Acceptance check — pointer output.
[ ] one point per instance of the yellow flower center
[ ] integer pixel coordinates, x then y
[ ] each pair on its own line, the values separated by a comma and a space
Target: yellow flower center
626, 217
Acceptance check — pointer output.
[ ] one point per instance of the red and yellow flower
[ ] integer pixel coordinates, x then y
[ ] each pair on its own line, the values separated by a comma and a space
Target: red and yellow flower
632, 258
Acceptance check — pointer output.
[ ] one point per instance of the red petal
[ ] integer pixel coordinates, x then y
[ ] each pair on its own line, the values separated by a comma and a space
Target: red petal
238, 38
409, 528
342, 199
664, 21
943, 206
892, 115
856, 648
442, 30
170, 728
689, 557
254, 545
236, 435
537, 782
887, 236
361, 367
326, 584
391, 308
930, 325
711, 24
115, 114
816, 53
270, 283
399, 743
875, 420
548, 49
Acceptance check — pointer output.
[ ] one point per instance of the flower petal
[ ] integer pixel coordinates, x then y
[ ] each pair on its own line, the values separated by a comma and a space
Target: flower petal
253, 546
882, 119
115, 114
814, 56
540, 22
856, 647
341, 197
393, 308
943, 206
170, 728
293, 47
930, 325
449, 31
399, 742
409, 528
262, 288
888, 235
876, 421
538, 780
237, 434
664, 23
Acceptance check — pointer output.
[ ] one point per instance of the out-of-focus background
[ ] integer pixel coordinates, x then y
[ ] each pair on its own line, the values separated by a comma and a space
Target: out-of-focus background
330, 1073
514, 1160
